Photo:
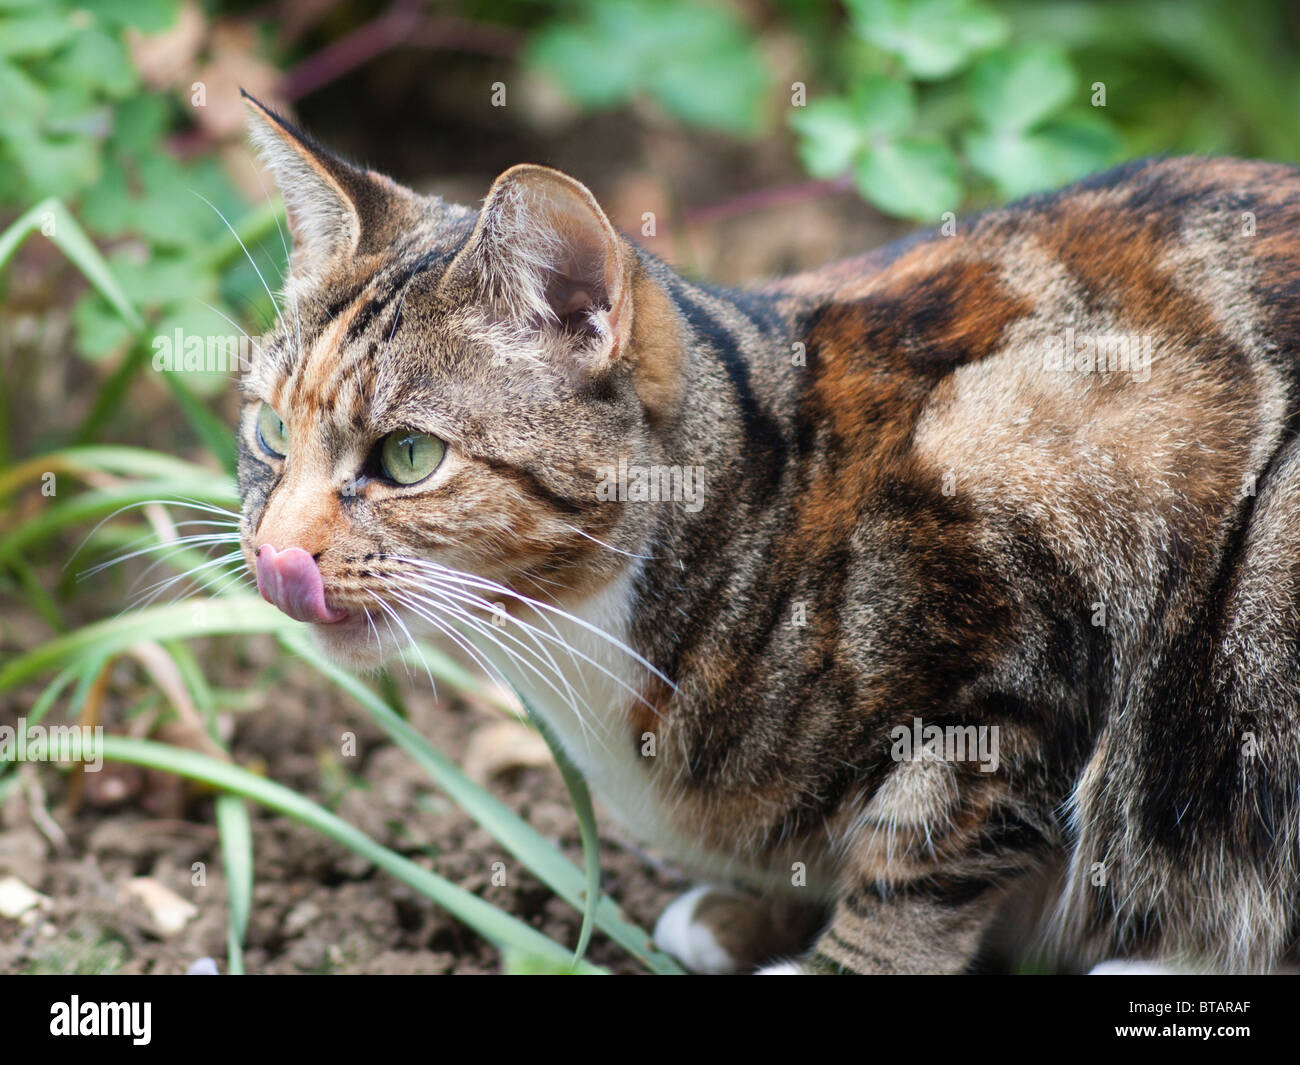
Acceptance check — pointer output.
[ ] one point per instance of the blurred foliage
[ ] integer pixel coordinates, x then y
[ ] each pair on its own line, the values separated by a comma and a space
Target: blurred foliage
929, 104
697, 61
933, 103
76, 122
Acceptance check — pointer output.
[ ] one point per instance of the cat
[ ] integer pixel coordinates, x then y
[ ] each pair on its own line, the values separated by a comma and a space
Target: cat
890, 597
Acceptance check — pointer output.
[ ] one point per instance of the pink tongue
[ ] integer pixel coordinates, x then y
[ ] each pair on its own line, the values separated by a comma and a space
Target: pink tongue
291, 580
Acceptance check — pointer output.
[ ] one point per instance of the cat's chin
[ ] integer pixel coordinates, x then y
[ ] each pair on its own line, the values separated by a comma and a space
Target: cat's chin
355, 643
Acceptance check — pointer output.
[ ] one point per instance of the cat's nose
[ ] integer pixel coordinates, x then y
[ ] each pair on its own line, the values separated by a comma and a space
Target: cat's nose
291, 580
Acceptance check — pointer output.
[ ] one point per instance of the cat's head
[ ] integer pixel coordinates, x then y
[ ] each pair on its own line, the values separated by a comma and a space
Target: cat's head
440, 395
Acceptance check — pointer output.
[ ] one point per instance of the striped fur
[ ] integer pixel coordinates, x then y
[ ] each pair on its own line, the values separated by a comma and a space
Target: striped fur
907, 514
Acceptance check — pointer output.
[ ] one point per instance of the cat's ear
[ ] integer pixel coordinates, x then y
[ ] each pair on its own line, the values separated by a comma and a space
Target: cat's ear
545, 256
334, 209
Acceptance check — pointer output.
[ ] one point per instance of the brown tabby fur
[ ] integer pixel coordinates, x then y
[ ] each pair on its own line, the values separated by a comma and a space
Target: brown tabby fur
906, 514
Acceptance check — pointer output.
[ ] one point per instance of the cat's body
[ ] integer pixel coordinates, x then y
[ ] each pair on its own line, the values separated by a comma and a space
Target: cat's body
913, 513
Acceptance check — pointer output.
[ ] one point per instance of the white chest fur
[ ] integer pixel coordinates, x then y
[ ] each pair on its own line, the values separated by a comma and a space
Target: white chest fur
584, 683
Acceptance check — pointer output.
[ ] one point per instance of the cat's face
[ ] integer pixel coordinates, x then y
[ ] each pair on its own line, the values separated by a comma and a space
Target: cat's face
440, 395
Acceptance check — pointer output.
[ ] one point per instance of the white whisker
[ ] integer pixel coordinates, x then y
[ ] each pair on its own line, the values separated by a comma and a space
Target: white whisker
234, 233
469, 580
486, 631
181, 501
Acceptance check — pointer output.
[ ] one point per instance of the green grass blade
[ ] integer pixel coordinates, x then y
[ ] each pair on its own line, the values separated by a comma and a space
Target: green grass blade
177, 621
88, 506
50, 215
580, 796
110, 395
116, 459
237, 857
245, 614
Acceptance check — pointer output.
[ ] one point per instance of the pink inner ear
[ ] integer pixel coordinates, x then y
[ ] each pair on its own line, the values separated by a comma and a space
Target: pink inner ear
291, 580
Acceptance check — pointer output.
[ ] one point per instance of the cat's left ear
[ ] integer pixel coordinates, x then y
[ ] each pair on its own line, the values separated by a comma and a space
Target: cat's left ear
335, 210
544, 256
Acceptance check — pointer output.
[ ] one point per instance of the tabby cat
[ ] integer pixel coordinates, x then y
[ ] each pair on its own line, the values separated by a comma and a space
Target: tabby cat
947, 589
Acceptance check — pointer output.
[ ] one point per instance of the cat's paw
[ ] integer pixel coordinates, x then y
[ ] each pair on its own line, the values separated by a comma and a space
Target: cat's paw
781, 968
1132, 967
689, 939
725, 930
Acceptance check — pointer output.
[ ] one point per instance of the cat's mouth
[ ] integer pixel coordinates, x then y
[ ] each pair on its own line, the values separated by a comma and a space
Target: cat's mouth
291, 580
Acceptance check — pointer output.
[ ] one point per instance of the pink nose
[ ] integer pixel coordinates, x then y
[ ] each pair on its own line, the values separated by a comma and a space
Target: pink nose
290, 579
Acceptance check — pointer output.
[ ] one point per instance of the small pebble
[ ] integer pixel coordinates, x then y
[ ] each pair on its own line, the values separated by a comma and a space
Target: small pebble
16, 898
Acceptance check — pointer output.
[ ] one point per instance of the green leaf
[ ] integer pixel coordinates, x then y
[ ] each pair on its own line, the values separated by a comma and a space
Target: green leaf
884, 107
576, 57
911, 178
56, 166
147, 16
100, 330
162, 279
96, 58
724, 94
830, 136
19, 96
216, 332
696, 61
139, 123
1016, 89
496, 926
34, 33
1081, 144
52, 217
134, 462
586, 813
170, 215
932, 38
107, 206
1019, 163
835, 130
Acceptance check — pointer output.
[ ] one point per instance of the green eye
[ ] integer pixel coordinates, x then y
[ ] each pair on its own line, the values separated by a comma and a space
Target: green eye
409, 457
271, 431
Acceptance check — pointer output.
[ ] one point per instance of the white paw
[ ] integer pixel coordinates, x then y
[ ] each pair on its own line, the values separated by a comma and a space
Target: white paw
690, 942
1131, 967
780, 968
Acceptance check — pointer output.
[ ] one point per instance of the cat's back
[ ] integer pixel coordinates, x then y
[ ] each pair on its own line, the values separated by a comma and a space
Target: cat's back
1137, 212
1111, 363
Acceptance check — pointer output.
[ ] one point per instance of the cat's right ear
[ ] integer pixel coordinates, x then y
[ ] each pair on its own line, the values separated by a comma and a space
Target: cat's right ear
335, 210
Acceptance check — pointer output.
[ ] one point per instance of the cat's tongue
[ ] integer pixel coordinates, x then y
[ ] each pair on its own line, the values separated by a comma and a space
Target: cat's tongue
290, 579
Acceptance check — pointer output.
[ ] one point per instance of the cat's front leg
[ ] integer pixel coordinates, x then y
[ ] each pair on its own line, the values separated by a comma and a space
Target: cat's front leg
929, 927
